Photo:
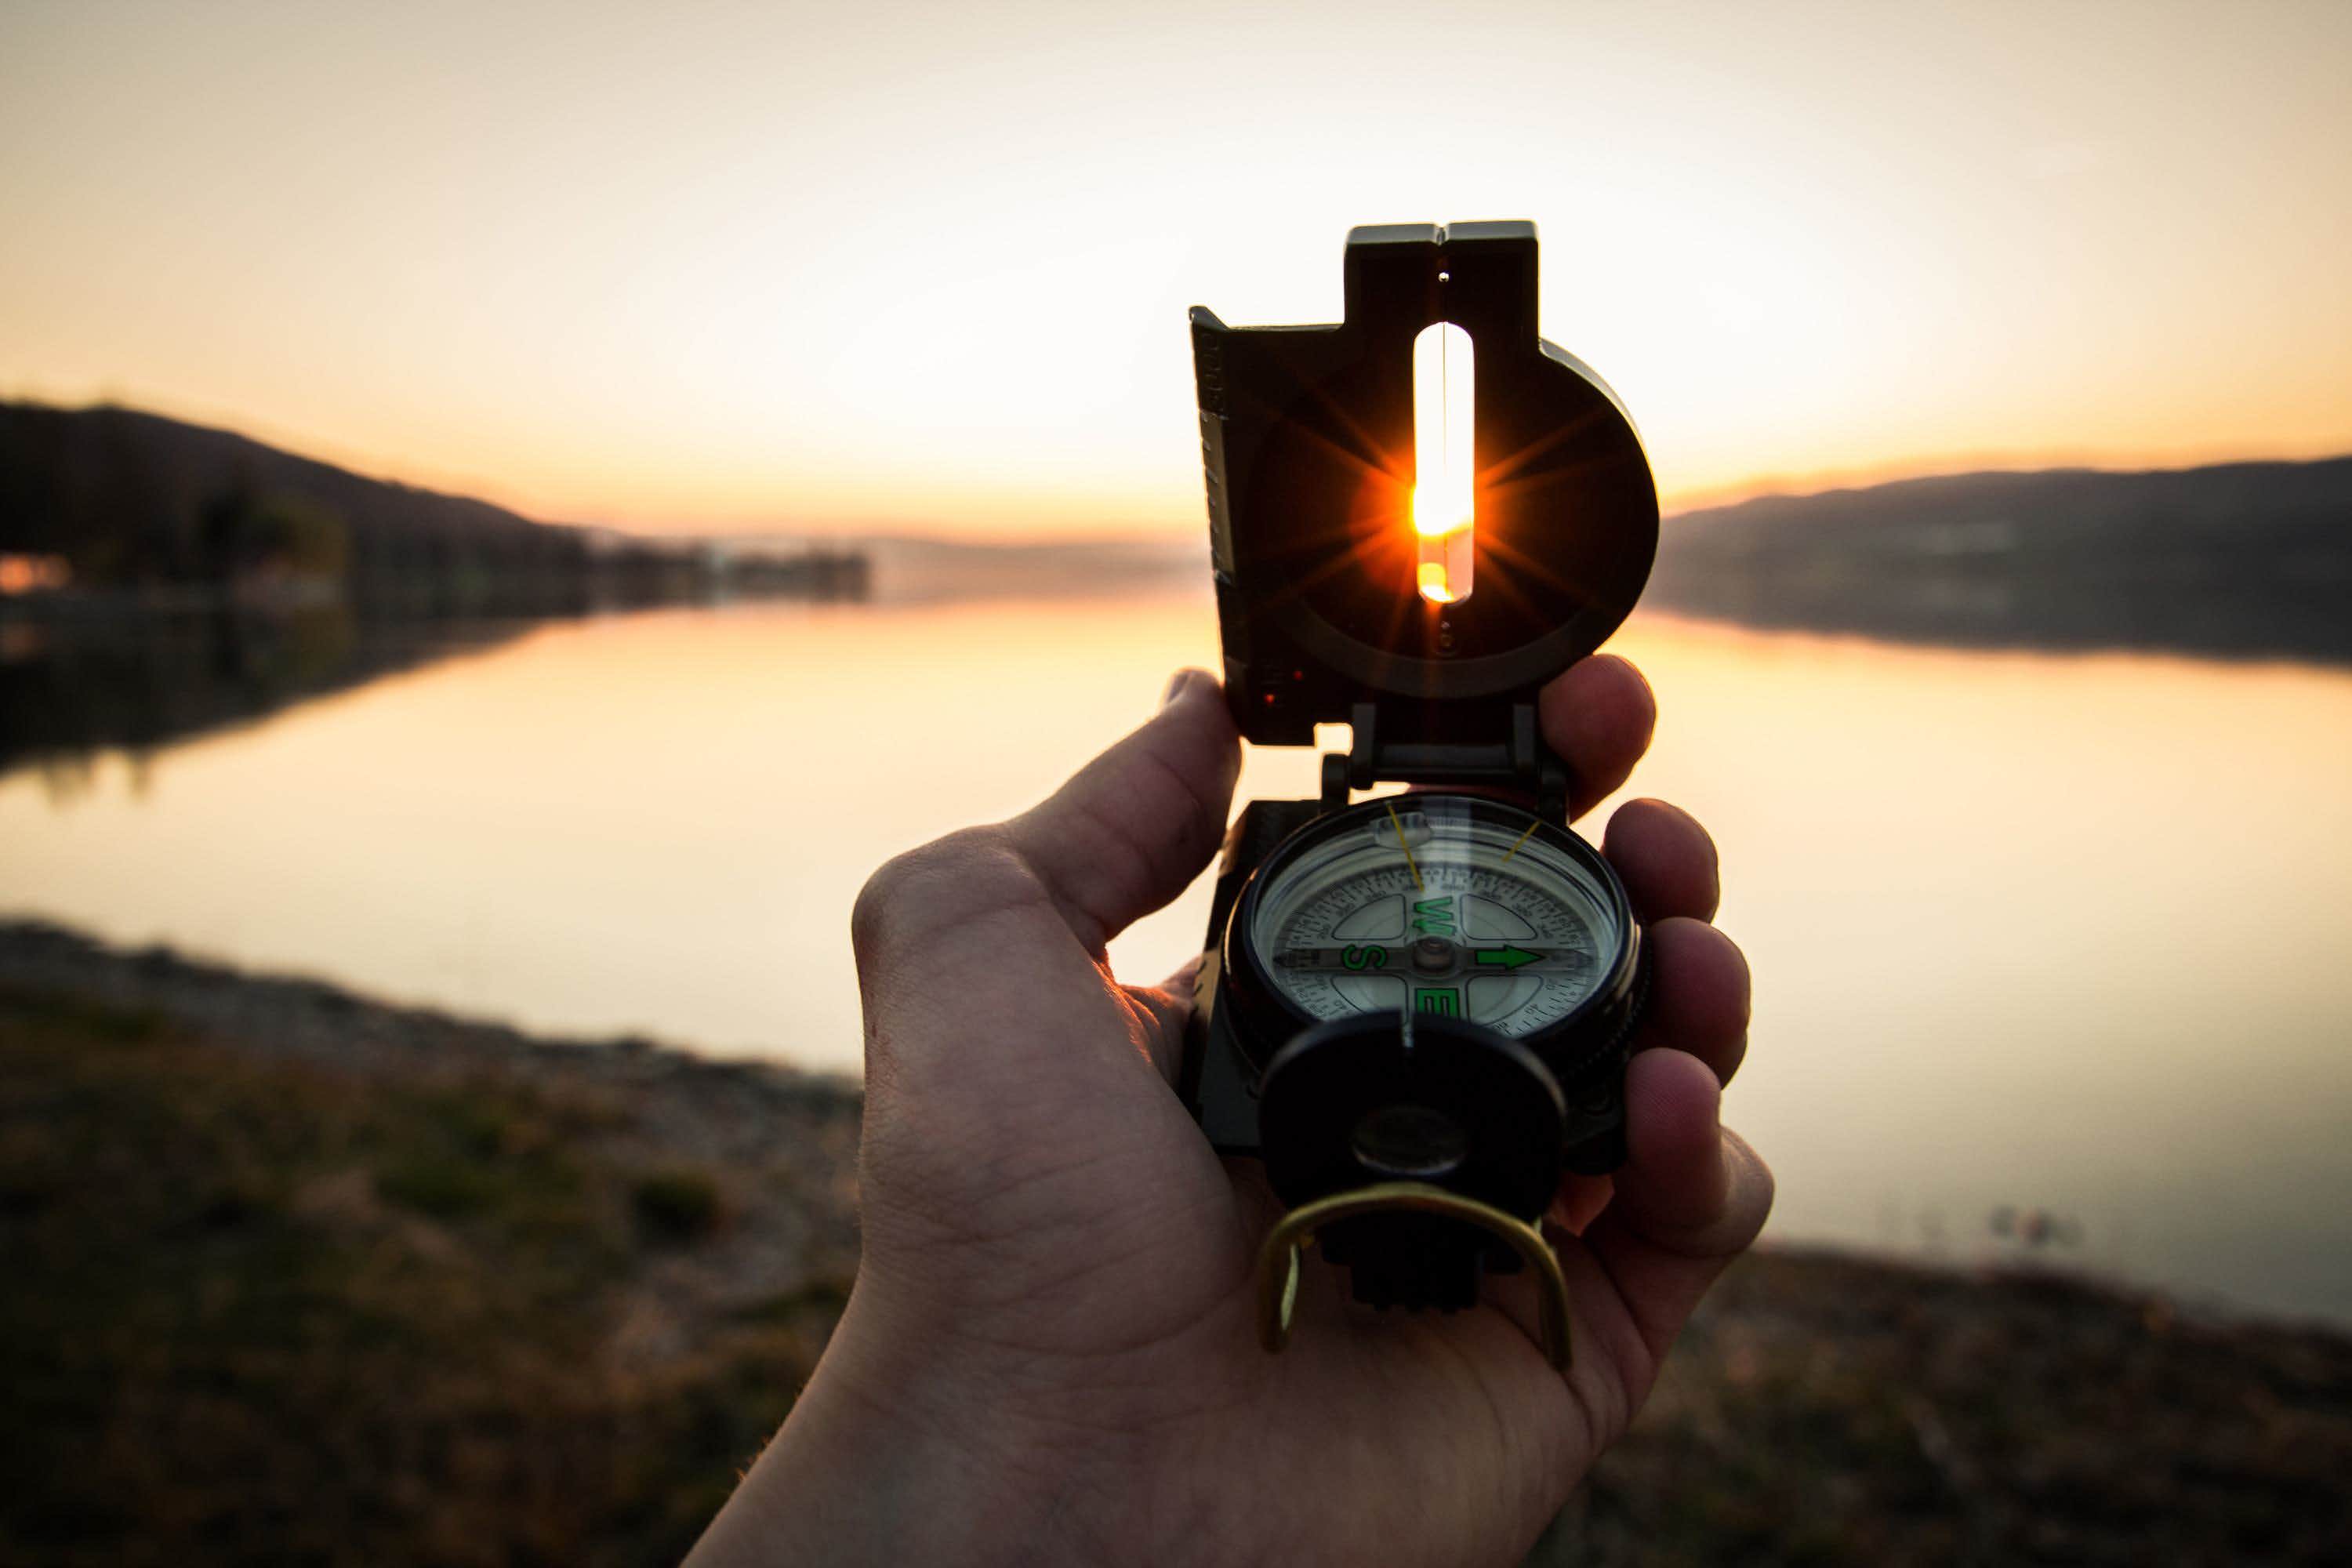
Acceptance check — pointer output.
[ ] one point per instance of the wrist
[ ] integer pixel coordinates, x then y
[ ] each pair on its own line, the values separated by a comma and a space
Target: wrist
900, 1451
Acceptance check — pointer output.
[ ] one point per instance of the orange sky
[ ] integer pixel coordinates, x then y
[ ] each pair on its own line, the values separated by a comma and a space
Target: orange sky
924, 268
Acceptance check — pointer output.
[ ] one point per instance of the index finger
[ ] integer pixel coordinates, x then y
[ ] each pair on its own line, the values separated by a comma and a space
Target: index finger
1597, 716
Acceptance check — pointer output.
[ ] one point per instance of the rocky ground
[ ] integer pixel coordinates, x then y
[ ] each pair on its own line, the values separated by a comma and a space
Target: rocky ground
294, 1277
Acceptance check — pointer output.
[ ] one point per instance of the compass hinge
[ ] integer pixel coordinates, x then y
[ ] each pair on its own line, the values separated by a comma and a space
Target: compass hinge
1521, 765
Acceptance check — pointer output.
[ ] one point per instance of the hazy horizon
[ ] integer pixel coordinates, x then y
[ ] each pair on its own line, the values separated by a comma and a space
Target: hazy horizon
1180, 533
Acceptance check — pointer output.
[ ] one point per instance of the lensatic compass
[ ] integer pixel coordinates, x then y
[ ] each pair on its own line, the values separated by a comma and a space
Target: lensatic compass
1417, 1007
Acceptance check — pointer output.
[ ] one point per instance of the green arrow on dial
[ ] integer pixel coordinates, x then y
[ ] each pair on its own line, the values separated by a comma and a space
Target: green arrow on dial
1505, 957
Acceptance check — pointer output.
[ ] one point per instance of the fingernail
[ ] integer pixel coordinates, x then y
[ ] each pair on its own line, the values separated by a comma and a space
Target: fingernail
1176, 684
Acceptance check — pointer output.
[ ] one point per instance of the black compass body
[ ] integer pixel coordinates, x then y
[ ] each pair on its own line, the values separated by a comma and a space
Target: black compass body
1436, 988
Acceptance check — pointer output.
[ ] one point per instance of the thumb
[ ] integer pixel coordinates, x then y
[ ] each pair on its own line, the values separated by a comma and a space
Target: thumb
1137, 823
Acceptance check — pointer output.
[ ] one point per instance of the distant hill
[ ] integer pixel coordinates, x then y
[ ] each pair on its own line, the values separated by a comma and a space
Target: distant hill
133, 500
140, 507
2238, 560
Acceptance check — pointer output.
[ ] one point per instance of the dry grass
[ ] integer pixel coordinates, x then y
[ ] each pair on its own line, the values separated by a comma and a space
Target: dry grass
264, 1312
293, 1278
1831, 1409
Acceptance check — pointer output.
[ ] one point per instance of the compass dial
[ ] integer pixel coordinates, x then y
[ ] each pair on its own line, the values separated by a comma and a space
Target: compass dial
1442, 904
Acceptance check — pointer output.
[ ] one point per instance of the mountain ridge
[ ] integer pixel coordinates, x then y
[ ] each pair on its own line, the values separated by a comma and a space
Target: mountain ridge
2250, 559
2232, 560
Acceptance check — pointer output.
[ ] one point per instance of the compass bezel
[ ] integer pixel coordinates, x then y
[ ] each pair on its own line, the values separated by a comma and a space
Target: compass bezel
1266, 1018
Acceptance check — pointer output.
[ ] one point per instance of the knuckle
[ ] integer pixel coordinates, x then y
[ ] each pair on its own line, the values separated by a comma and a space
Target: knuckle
870, 917
918, 889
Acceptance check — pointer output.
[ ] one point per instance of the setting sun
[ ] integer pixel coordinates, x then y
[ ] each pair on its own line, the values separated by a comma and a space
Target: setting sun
1445, 461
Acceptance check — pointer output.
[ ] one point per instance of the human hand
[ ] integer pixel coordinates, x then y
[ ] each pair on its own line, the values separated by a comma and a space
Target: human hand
1051, 1352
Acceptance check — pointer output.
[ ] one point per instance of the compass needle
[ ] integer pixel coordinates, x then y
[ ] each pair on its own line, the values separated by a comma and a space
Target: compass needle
1418, 885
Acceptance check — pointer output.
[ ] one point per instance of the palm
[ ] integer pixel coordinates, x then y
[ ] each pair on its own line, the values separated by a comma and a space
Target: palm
1459, 1406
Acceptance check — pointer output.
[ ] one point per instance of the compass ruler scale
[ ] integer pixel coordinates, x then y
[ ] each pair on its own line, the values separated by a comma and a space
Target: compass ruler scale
1417, 1009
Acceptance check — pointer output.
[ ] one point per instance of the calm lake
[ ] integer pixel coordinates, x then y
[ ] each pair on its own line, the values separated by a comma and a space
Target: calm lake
2065, 935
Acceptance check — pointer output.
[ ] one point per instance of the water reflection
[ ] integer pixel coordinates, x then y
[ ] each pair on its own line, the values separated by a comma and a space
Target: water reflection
84, 675
73, 687
2059, 935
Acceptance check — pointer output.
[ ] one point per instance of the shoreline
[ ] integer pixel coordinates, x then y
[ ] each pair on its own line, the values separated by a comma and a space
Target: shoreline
275, 1232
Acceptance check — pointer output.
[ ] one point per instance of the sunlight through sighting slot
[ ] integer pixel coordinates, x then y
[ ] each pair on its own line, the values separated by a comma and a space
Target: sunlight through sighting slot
1444, 461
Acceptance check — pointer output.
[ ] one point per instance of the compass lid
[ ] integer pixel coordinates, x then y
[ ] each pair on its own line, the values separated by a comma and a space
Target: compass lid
1309, 439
